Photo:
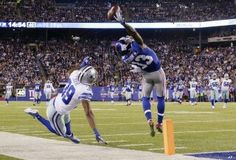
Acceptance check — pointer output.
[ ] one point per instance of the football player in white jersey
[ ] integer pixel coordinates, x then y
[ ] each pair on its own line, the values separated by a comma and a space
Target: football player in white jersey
78, 90
128, 90
193, 91
225, 87
8, 91
214, 84
48, 90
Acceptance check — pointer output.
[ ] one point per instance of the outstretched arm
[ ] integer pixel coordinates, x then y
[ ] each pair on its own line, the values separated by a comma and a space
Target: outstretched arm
91, 120
130, 30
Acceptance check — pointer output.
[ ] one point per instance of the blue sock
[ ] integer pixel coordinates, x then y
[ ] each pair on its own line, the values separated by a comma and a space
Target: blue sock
226, 100
7, 100
68, 128
46, 123
160, 108
95, 131
147, 108
213, 102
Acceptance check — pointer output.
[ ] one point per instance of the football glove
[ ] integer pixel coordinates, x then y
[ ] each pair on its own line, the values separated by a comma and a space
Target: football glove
118, 17
86, 61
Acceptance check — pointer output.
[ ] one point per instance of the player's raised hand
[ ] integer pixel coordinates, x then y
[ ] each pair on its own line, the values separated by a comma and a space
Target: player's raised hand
86, 61
118, 17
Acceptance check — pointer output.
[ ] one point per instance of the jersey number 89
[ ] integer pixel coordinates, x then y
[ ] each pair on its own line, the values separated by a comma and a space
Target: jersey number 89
68, 93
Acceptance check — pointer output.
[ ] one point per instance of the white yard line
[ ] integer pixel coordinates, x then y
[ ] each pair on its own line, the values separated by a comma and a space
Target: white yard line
189, 112
136, 145
160, 149
118, 141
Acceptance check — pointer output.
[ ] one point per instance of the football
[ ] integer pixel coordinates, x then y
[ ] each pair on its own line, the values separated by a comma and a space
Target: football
112, 11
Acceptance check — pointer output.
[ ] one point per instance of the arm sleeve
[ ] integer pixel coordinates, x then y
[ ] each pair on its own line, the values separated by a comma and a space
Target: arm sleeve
86, 96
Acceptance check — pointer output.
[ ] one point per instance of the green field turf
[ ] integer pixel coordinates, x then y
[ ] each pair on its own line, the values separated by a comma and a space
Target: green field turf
3, 157
197, 128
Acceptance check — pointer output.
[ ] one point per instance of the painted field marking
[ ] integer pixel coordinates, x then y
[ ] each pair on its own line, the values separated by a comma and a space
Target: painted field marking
189, 112
136, 134
118, 141
134, 145
162, 149
44, 134
145, 133
211, 152
206, 131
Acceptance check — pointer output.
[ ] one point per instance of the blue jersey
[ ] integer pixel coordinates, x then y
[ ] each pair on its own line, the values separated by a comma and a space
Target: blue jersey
111, 88
145, 58
37, 87
140, 88
128, 87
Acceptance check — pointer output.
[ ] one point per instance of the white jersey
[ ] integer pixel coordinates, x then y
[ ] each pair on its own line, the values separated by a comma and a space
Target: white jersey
225, 84
48, 87
193, 85
9, 89
214, 84
72, 94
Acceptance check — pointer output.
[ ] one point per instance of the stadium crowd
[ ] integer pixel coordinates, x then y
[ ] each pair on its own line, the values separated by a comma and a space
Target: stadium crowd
136, 10
19, 61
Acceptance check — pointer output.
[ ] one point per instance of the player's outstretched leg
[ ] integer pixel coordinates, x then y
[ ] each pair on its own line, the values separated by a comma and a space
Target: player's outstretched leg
34, 113
7, 100
225, 102
160, 114
69, 134
148, 114
213, 103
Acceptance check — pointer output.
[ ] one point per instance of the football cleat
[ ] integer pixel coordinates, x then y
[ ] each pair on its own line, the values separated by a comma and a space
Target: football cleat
33, 112
100, 140
159, 127
152, 131
73, 139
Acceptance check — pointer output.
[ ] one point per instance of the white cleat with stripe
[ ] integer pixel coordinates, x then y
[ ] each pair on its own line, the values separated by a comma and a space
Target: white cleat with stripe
32, 112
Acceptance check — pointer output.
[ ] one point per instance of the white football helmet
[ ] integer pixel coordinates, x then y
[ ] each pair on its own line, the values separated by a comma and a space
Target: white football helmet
88, 75
214, 76
226, 76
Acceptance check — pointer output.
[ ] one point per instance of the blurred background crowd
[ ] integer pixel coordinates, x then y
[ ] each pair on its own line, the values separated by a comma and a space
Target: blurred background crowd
135, 10
27, 56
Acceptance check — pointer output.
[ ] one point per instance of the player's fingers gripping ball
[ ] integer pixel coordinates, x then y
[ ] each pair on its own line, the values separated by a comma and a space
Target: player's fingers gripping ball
111, 14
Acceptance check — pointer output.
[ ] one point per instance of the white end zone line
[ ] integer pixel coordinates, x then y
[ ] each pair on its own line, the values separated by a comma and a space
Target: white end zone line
23, 147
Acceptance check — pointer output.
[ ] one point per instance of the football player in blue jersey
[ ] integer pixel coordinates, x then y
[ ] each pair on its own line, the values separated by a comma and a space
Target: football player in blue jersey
111, 91
37, 92
144, 60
